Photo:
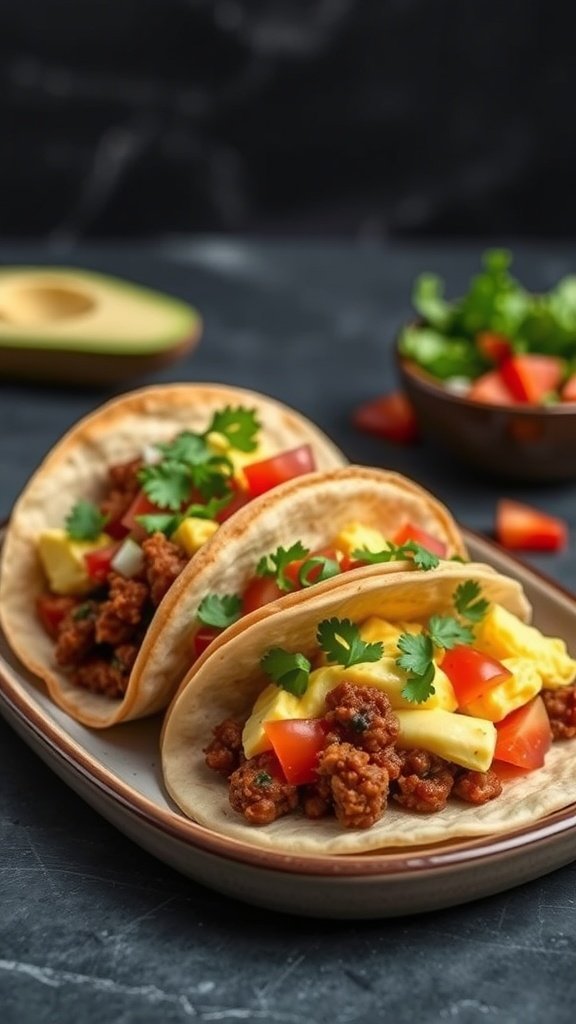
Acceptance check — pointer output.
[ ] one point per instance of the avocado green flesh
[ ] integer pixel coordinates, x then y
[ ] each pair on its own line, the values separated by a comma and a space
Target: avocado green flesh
73, 310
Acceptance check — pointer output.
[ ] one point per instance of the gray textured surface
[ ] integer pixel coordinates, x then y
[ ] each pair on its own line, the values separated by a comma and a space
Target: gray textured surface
92, 928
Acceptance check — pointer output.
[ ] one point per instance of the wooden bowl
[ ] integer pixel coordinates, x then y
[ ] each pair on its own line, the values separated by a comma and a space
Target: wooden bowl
526, 443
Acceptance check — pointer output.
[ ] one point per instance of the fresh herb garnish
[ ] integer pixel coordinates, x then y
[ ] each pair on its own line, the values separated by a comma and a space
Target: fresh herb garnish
263, 779
276, 563
159, 522
316, 569
444, 631
289, 671
468, 602
421, 556
239, 427
83, 611
341, 642
220, 611
85, 521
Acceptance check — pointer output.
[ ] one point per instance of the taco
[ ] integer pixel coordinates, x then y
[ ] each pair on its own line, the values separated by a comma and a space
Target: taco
88, 566
306, 533
387, 712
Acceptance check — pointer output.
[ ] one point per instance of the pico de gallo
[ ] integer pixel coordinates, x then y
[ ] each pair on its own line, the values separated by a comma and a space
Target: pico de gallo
110, 566
414, 713
498, 343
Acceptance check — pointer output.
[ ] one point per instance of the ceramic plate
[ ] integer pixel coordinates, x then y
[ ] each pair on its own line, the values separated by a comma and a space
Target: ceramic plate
117, 771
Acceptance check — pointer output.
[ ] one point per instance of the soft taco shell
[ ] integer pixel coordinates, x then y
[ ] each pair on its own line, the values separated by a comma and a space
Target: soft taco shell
312, 509
227, 681
76, 468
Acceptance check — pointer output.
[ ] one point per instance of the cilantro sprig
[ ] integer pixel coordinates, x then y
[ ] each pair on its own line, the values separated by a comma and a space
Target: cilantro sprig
339, 639
445, 632
189, 465
85, 521
220, 611
421, 556
276, 563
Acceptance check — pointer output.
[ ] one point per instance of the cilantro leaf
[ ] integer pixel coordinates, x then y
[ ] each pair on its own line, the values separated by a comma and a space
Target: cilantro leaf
218, 611
166, 483
276, 563
168, 524
186, 447
238, 425
421, 556
85, 521
212, 477
341, 641
160, 522
417, 660
289, 671
419, 687
468, 602
417, 652
447, 632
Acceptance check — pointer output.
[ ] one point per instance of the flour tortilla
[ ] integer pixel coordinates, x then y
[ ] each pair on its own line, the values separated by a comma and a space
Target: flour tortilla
77, 468
226, 682
312, 509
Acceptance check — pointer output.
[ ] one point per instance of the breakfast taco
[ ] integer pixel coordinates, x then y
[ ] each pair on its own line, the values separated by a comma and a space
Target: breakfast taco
388, 712
305, 534
104, 535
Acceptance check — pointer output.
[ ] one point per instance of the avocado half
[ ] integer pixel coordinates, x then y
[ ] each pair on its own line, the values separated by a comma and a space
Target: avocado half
77, 326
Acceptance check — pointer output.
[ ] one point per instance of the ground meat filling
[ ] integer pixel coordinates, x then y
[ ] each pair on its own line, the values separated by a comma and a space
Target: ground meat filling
258, 791
97, 639
358, 769
560, 705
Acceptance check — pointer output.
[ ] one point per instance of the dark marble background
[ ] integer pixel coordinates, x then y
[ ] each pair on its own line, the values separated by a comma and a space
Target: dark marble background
364, 117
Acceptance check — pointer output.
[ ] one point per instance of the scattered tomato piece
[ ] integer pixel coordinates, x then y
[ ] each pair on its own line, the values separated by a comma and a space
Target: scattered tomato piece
492, 389
531, 377
391, 416
204, 637
411, 532
297, 743
472, 673
292, 570
141, 506
568, 393
52, 609
522, 527
524, 736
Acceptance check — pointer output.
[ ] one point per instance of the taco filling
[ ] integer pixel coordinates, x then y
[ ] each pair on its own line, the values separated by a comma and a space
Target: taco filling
114, 561
295, 568
409, 714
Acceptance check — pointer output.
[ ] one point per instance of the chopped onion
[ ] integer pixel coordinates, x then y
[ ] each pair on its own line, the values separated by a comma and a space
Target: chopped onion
129, 559
151, 455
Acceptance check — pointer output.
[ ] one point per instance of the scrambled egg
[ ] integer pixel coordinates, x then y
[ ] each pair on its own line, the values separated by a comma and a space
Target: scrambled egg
502, 635
63, 561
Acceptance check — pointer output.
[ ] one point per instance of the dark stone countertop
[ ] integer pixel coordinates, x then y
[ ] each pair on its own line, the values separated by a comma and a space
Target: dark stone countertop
94, 929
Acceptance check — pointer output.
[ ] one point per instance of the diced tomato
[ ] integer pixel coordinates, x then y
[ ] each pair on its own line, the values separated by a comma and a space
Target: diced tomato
98, 563
493, 346
204, 637
52, 609
262, 476
297, 743
239, 499
141, 506
411, 532
472, 673
260, 591
492, 389
391, 416
524, 736
292, 570
522, 527
568, 393
531, 377
347, 563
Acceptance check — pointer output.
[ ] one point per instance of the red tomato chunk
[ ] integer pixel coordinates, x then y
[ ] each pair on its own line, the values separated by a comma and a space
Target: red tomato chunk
524, 736
262, 476
297, 743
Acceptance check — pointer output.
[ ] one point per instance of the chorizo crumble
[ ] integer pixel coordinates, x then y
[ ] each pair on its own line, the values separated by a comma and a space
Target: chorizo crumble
359, 770
97, 638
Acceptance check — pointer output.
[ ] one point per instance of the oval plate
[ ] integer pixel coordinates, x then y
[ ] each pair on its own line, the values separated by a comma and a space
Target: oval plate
117, 771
